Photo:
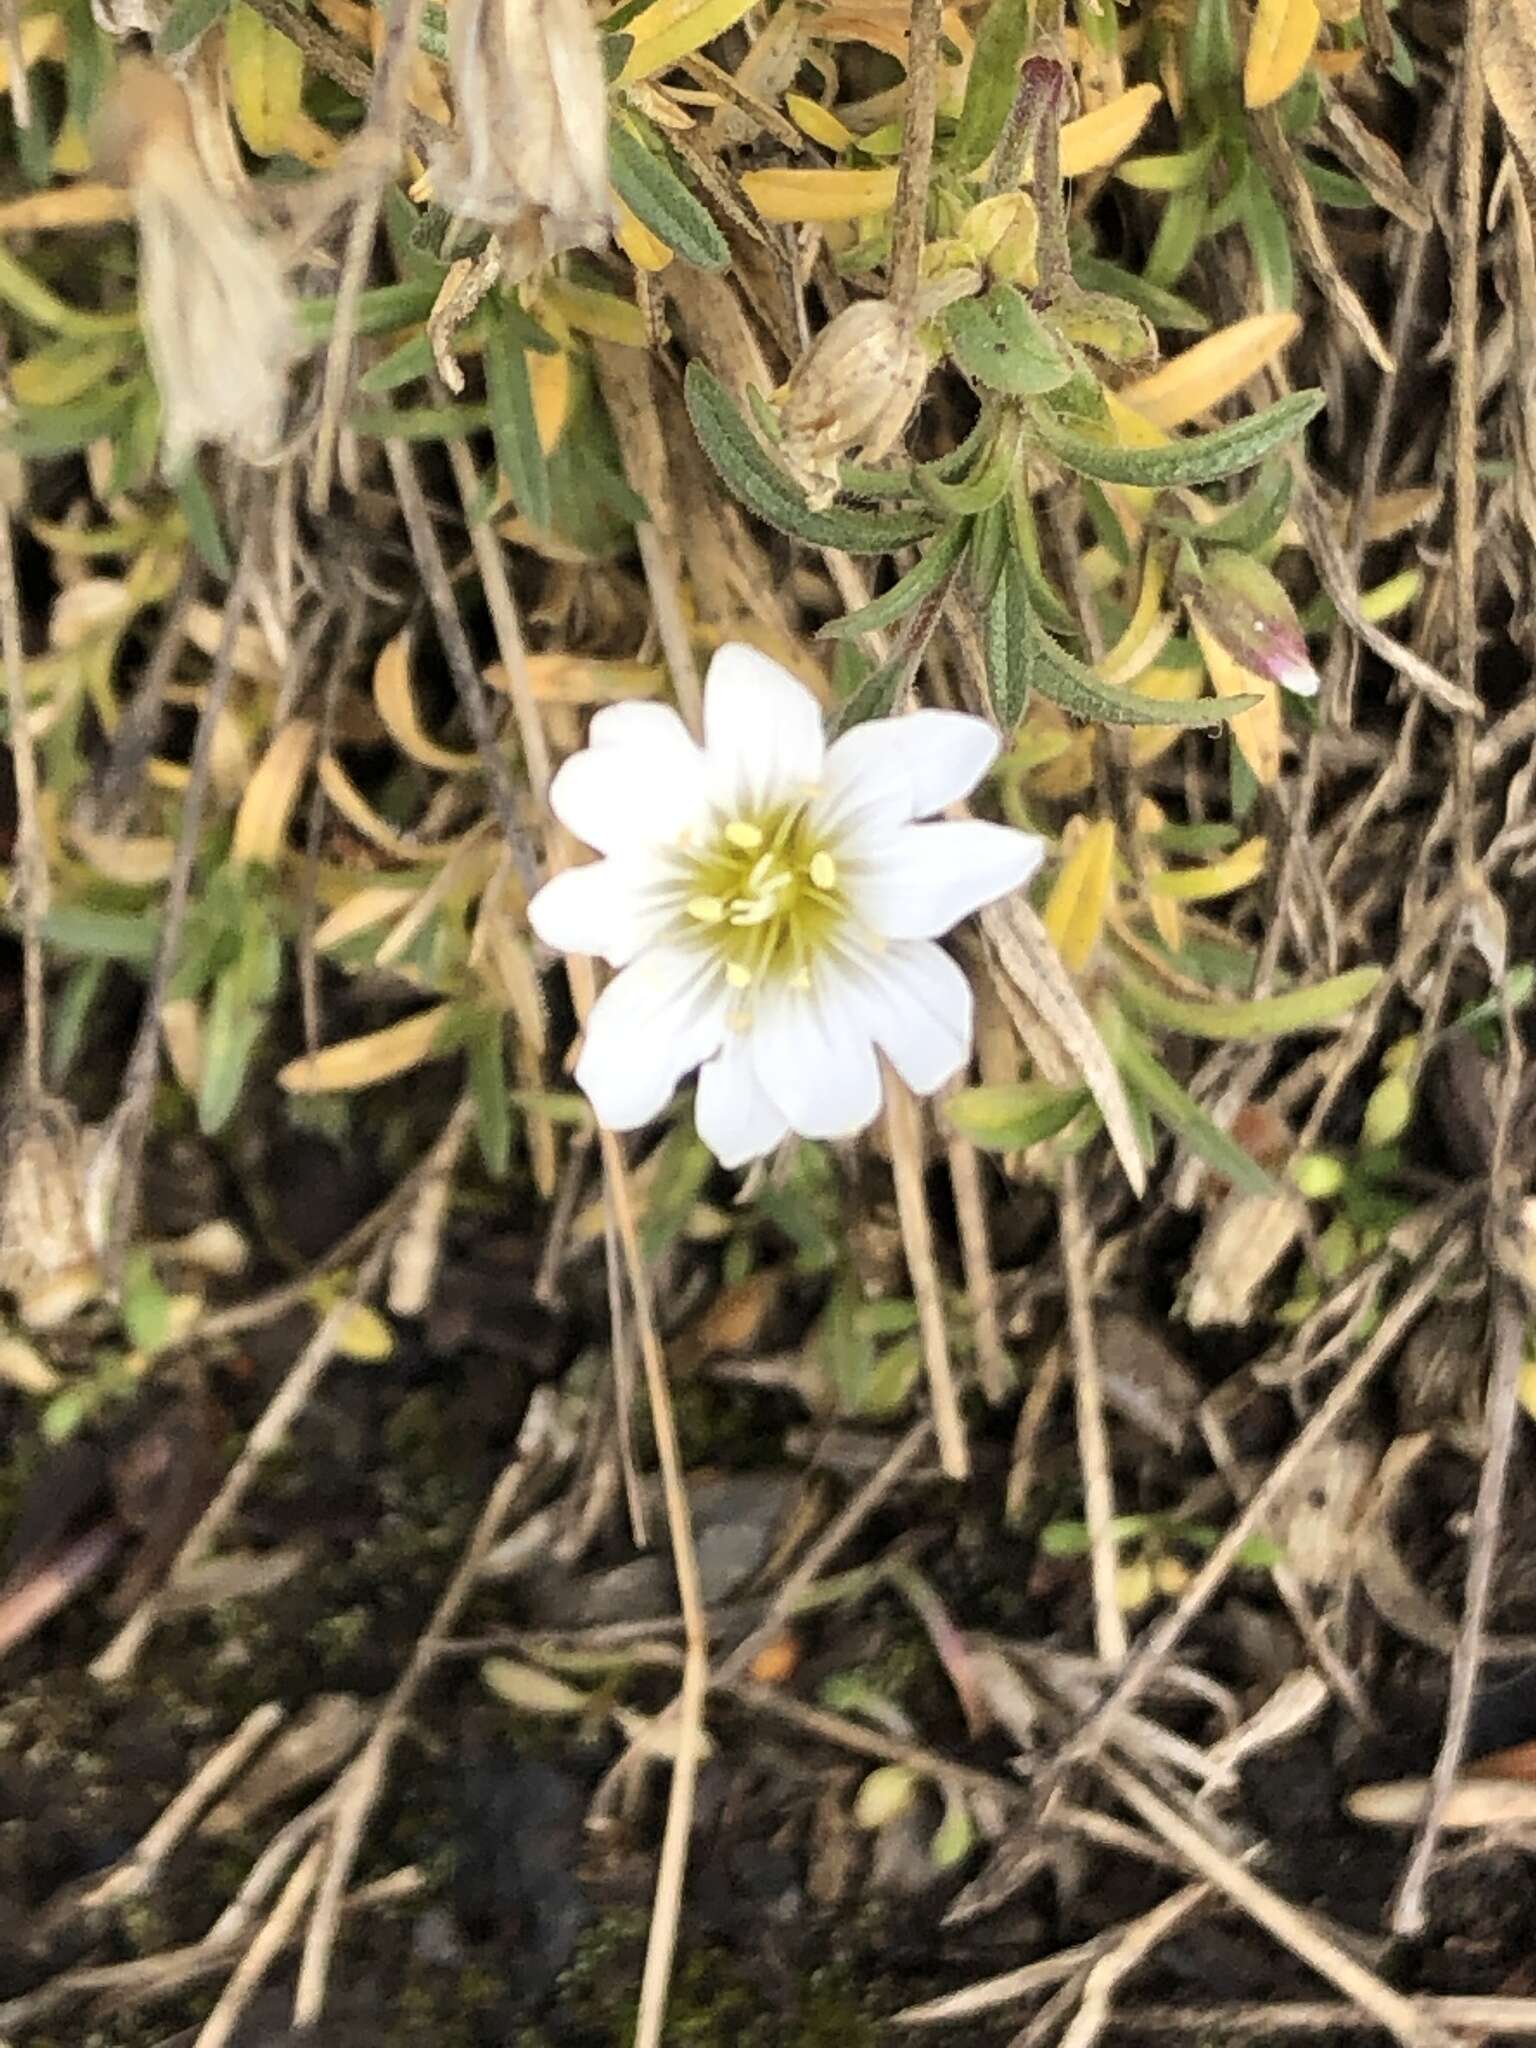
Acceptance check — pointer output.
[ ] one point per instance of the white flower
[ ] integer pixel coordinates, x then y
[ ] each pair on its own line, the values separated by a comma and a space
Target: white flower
772, 905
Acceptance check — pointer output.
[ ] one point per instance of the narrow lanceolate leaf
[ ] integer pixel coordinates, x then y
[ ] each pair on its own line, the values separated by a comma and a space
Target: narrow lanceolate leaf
1175, 1107
378, 1056
764, 488
994, 79
670, 29
1011, 1115
1298, 1009
1202, 460
1095, 139
1069, 683
514, 424
999, 340
656, 194
1010, 644
1283, 36
1249, 524
893, 604
1213, 369
186, 22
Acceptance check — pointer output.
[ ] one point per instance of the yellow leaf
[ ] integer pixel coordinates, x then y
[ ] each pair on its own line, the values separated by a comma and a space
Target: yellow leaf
396, 706
1212, 370
1258, 729
69, 206
645, 250
817, 121
1079, 901
603, 314
360, 913
549, 380
1283, 36
42, 35
820, 195
266, 79
1147, 630
669, 29
137, 863
62, 371
1235, 870
377, 1056
365, 1335
261, 823
362, 817
1096, 139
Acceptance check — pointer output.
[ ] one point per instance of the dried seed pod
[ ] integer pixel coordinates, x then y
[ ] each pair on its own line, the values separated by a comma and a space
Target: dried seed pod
215, 305
857, 387
530, 151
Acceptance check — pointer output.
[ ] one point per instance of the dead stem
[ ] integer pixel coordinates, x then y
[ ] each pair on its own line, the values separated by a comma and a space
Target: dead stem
903, 1124
910, 213
1508, 1351
30, 885
1092, 1440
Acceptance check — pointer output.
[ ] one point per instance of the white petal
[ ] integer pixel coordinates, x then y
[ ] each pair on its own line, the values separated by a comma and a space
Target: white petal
762, 731
651, 1025
917, 1006
600, 908
735, 1118
815, 1060
923, 879
939, 757
639, 781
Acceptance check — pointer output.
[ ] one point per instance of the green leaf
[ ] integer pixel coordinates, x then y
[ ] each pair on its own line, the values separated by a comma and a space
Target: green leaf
933, 568
1064, 679
146, 1305
131, 937
34, 430
1010, 641
203, 527
764, 488
1298, 1009
646, 180
681, 1171
984, 486
1172, 173
420, 422
1268, 235
1204, 459
378, 311
188, 20
1000, 341
1335, 188
1176, 1108
1162, 308
488, 1086
1251, 522
30, 297
513, 425
1010, 1116
1177, 238
994, 80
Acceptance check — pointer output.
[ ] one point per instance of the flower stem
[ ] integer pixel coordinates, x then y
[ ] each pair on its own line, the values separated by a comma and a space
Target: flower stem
909, 216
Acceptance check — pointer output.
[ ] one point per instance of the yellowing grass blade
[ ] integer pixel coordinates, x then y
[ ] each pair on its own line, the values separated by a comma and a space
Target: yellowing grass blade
266, 80
820, 195
1079, 902
1096, 139
1258, 729
1282, 39
361, 1062
647, 251
1212, 370
261, 823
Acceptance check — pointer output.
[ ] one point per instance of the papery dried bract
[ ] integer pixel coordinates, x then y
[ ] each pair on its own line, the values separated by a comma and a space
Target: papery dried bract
857, 387
215, 306
530, 150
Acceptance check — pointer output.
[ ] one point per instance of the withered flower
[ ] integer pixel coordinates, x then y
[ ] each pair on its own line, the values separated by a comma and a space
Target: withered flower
856, 387
213, 297
1244, 608
529, 156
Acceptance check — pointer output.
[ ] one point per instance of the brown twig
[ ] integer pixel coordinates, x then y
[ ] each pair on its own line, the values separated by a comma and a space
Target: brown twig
1092, 1439
909, 214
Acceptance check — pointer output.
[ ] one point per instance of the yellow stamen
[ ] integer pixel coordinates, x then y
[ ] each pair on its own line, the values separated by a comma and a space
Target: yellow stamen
751, 910
823, 871
801, 978
737, 976
741, 832
706, 909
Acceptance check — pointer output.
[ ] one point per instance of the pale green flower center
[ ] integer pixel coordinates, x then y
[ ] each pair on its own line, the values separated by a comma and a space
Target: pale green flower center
763, 893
